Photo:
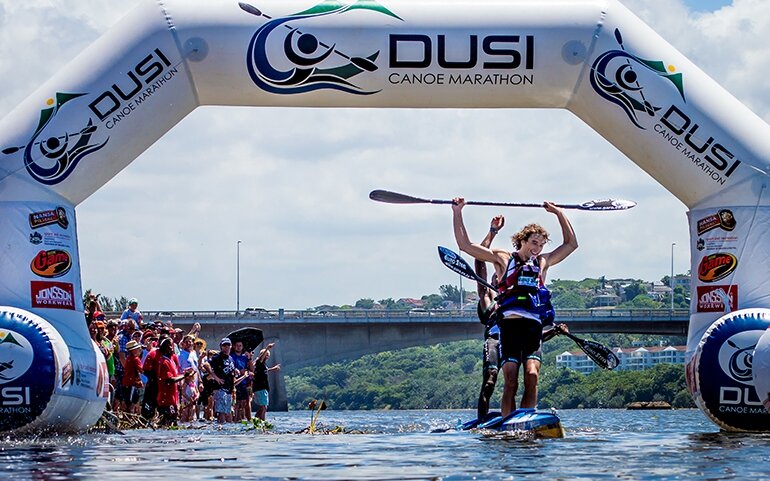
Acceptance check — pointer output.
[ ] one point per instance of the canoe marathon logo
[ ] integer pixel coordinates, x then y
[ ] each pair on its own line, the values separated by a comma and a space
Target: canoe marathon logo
51, 263
724, 219
714, 267
312, 63
49, 217
631, 82
51, 155
16, 356
736, 355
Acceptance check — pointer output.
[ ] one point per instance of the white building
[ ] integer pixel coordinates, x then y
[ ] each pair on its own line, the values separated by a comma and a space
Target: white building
631, 359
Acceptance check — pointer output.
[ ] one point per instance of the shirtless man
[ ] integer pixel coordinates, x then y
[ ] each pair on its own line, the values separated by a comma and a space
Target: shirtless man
521, 278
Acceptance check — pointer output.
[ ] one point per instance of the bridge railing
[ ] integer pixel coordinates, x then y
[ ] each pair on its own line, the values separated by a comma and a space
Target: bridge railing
325, 316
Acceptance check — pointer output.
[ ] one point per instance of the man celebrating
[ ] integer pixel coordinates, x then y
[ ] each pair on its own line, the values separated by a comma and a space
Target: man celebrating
223, 372
523, 302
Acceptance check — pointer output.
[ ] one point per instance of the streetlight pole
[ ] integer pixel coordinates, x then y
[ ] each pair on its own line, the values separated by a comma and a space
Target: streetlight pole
671, 280
461, 293
238, 278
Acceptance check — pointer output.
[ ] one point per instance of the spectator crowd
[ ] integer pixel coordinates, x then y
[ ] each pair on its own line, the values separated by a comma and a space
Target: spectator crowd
167, 375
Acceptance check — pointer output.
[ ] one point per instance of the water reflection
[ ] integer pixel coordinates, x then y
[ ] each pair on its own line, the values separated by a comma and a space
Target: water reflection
398, 445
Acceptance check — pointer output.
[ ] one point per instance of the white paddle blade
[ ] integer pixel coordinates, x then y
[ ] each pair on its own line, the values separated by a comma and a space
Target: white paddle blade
608, 204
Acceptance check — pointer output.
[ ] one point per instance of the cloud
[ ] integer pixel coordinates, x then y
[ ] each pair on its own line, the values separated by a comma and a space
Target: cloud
292, 184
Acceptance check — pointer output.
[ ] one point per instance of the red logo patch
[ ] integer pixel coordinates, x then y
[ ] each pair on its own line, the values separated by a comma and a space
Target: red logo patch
52, 263
716, 266
712, 298
53, 295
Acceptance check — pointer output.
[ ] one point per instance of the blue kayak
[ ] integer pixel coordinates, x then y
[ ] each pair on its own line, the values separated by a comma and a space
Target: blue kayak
542, 424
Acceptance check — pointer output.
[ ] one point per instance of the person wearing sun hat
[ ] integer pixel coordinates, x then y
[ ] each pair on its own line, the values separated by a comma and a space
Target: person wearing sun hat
133, 386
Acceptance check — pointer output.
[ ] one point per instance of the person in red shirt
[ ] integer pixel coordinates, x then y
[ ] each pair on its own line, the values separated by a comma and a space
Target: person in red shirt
168, 378
133, 388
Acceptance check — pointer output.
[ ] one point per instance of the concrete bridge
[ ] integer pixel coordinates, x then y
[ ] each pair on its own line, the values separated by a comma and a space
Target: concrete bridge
305, 338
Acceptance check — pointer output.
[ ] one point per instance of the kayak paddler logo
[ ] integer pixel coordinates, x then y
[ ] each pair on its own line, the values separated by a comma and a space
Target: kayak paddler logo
736, 355
56, 148
618, 76
16, 356
308, 63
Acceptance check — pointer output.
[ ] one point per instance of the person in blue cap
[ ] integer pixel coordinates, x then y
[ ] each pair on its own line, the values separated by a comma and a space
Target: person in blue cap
133, 313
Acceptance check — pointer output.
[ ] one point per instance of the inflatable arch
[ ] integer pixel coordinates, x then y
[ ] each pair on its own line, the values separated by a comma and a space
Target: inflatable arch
592, 57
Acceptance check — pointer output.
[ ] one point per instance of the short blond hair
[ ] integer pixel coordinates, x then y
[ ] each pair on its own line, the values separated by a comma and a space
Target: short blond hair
526, 232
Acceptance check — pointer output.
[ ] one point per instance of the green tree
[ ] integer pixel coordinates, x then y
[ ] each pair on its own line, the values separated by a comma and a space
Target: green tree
365, 303
634, 289
433, 301
568, 300
449, 293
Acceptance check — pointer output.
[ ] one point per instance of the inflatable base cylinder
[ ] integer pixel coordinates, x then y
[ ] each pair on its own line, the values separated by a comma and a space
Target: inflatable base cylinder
721, 377
761, 369
41, 381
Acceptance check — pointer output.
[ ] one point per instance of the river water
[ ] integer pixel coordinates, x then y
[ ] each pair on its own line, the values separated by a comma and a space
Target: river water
399, 445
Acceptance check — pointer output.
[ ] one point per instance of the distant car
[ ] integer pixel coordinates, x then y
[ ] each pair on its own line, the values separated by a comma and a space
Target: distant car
419, 312
258, 312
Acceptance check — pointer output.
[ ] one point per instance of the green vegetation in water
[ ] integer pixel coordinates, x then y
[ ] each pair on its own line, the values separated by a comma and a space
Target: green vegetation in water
257, 424
448, 376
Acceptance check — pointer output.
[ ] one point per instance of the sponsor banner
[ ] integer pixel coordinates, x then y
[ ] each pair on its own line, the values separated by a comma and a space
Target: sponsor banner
53, 295
717, 243
713, 267
717, 298
51, 263
43, 254
726, 254
723, 219
57, 216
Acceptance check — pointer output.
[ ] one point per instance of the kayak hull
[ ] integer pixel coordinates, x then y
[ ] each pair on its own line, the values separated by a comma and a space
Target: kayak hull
541, 424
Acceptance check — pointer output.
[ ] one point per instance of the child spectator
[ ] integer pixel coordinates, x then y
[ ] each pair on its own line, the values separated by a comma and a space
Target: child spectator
133, 386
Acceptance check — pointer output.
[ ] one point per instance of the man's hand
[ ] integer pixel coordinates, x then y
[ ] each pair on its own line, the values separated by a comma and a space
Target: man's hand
497, 223
458, 203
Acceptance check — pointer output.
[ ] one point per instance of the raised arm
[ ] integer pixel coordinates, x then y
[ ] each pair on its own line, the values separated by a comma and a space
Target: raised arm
569, 240
495, 225
461, 235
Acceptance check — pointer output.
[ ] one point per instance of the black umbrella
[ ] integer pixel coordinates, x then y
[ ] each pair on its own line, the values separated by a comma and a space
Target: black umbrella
251, 337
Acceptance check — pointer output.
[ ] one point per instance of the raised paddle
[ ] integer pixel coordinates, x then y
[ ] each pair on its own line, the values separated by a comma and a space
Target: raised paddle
600, 354
396, 198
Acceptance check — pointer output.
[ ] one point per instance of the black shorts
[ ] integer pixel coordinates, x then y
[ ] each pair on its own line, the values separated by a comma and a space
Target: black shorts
491, 354
520, 339
132, 394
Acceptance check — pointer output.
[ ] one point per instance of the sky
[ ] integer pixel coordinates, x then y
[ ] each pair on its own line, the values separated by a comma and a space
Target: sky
166, 229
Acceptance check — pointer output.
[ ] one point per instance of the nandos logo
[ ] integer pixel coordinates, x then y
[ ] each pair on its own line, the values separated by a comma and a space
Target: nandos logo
714, 267
51, 263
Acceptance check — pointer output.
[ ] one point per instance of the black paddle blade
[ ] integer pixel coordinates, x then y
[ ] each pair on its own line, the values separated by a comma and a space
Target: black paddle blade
600, 354
250, 9
395, 198
455, 263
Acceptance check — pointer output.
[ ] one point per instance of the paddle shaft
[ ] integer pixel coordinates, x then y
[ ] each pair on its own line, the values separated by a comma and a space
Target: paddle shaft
396, 198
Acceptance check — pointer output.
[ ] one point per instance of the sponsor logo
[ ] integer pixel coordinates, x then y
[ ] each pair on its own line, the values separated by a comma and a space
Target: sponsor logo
714, 267
723, 219
51, 263
629, 82
717, 298
314, 64
35, 238
719, 243
49, 217
53, 295
16, 356
51, 154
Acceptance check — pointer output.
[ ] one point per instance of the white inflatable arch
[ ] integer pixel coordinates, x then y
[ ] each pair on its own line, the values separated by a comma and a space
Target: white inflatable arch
592, 57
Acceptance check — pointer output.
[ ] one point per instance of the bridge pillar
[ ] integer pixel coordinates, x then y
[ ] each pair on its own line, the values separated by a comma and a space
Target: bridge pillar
278, 398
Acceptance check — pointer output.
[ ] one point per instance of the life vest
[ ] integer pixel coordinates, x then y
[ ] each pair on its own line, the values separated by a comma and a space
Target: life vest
523, 288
